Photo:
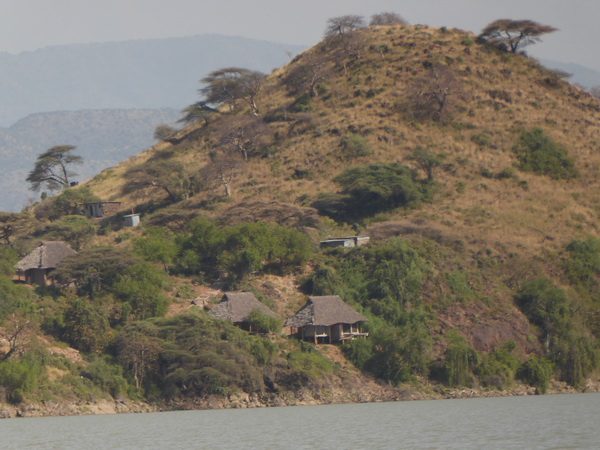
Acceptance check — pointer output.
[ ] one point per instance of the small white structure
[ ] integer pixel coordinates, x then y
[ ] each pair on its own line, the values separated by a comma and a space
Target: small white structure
352, 241
132, 220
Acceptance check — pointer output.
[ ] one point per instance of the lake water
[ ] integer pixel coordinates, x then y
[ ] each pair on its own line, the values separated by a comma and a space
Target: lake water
558, 421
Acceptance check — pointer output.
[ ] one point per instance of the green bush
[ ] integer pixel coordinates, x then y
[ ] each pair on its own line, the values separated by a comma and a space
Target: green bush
20, 377
141, 286
311, 364
538, 153
355, 146
84, 327
107, 375
460, 360
156, 245
241, 249
263, 323
369, 190
498, 370
536, 372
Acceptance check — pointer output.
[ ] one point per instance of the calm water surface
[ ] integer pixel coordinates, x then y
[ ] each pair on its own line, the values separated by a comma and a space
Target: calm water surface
559, 421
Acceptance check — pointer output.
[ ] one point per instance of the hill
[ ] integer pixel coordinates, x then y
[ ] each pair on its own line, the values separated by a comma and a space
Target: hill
143, 74
474, 171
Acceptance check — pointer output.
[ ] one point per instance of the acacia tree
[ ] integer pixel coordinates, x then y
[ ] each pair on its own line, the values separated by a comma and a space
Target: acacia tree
197, 112
307, 73
513, 35
52, 168
164, 132
342, 31
230, 85
342, 25
172, 177
426, 161
433, 95
222, 170
242, 133
387, 18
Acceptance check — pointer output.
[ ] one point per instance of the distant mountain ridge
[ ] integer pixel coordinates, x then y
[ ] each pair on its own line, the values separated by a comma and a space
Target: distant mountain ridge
107, 98
103, 137
154, 73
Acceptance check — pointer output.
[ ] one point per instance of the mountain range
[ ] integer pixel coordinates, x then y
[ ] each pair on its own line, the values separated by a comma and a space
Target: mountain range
106, 99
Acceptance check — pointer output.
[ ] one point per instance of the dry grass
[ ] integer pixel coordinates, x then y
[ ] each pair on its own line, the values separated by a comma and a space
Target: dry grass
506, 95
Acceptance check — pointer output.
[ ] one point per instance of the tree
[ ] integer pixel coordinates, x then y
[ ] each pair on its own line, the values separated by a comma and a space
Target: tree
342, 32
197, 112
170, 176
230, 85
10, 223
76, 230
243, 134
52, 168
426, 161
339, 26
539, 153
138, 349
221, 171
164, 132
387, 18
513, 35
434, 95
85, 328
307, 73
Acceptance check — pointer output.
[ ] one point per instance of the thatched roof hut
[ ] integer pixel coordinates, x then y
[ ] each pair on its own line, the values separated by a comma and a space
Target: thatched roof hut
237, 306
43, 259
327, 319
325, 310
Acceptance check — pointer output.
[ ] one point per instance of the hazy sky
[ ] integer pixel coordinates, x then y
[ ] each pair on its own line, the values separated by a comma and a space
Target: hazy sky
31, 24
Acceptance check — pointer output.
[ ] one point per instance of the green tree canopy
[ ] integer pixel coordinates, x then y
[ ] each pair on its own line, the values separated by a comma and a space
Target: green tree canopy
52, 168
538, 153
513, 35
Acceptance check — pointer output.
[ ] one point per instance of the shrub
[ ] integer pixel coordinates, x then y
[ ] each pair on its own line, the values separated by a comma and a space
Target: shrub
372, 189
498, 369
538, 153
84, 327
241, 249
460, 360
481, 139
263, 323
355, 146
20, 377
536, 372
106, 375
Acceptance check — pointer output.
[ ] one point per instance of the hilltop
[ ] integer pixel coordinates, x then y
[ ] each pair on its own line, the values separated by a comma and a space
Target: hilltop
474, 171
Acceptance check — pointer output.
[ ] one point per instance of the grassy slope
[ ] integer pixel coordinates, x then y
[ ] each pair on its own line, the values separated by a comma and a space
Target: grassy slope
494, 230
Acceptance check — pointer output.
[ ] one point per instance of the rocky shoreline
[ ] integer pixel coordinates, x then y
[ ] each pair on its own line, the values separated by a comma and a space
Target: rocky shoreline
321, 395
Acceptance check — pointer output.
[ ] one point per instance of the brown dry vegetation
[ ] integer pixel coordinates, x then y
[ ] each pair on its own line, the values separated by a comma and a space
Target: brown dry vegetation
514, 225
505, 94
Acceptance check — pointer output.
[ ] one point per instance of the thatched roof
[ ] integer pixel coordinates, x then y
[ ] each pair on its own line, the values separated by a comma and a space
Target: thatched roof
47, 255
237, 306
325, 311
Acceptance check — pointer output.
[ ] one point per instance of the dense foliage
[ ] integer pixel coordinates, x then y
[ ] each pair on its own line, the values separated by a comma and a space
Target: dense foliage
372, 189
240, 249
538, 153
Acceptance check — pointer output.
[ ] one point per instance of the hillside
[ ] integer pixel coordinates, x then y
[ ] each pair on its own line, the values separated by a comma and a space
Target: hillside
143, 74
474, 171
